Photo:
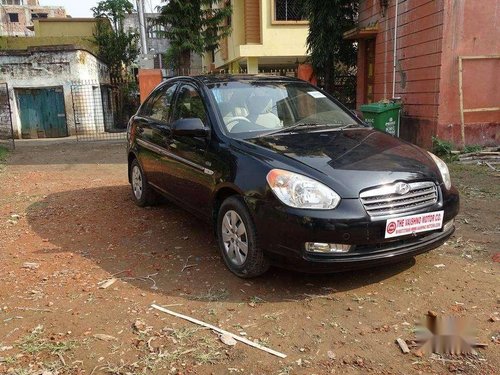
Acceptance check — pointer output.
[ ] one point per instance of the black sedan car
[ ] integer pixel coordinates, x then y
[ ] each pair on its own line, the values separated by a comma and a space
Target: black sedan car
287, 175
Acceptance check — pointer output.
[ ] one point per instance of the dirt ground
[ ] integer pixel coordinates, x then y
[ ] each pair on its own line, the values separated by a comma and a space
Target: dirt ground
67, 222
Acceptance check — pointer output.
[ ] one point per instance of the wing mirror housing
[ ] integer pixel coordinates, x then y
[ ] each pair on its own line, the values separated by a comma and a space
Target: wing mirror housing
190, 127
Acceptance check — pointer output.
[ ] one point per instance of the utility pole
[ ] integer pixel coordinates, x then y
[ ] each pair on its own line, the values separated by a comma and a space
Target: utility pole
142, 26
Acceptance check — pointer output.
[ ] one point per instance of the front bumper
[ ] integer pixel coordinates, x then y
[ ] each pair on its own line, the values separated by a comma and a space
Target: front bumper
283, 232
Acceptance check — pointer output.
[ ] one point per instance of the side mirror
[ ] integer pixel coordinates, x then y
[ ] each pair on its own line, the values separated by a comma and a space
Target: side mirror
358, 114
189, 127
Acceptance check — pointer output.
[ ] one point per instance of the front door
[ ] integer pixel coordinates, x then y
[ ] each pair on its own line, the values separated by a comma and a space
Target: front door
369, 70
42, 112
191, 178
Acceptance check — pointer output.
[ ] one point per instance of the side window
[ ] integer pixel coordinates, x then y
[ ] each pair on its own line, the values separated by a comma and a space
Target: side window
189, 104
147, 105
161, 105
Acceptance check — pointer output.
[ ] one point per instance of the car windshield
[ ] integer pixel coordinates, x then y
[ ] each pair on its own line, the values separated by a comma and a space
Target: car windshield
258, 108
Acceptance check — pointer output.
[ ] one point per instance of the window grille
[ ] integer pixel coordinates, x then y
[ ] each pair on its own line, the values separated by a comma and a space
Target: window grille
289, 10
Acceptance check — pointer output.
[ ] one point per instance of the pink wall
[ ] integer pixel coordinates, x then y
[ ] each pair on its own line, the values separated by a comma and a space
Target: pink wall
431, 36
419, 49
471, 28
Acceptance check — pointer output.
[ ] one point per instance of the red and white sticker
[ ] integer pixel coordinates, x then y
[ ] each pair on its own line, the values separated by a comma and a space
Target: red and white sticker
403, 226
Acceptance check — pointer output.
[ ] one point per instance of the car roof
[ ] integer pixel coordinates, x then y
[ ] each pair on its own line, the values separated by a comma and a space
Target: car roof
220, 78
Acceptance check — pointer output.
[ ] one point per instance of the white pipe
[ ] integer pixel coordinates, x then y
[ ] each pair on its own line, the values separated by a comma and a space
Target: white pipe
142, 26
395, 46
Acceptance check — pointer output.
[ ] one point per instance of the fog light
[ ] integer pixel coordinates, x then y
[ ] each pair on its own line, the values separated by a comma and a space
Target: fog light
327, 248
448, 225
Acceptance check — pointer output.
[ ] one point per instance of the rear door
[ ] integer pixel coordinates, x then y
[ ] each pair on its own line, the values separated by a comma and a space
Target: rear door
153, 134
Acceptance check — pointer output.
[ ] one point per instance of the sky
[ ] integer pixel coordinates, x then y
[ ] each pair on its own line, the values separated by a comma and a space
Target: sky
81, 8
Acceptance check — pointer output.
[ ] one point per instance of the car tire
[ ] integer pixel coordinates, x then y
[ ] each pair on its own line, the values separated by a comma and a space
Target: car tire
142, 193
236, 234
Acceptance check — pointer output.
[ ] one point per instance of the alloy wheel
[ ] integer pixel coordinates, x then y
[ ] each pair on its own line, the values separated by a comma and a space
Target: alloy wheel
234, 237
137, 182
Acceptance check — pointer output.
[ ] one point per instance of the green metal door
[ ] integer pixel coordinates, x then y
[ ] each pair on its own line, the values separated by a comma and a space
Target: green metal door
27, 101
42, 113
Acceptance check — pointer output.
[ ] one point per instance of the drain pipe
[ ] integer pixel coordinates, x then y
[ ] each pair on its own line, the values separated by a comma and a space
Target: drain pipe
395, 46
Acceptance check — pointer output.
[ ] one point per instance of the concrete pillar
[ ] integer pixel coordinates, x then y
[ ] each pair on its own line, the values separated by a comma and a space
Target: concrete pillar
253, 65
234, 67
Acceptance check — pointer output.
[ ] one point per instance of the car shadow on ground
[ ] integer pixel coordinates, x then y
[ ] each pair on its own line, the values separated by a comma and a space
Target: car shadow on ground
103, 225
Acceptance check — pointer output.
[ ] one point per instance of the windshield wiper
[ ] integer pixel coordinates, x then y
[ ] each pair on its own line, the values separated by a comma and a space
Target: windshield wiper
293, 127
351, 126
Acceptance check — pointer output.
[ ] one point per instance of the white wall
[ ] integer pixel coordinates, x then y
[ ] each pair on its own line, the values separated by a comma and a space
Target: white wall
38, 69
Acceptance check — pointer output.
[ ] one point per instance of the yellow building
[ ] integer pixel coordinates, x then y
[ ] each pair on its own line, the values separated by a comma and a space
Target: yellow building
266, 35
57, 27
55, 32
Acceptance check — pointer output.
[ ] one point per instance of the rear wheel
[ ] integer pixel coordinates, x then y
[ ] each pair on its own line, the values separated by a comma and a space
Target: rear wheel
238, 240
142, 193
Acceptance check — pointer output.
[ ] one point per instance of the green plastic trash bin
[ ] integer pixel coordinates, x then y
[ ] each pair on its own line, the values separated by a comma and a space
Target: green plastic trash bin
383, 116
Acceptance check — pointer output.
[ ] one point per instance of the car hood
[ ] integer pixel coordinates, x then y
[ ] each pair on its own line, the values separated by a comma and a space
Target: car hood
352, 160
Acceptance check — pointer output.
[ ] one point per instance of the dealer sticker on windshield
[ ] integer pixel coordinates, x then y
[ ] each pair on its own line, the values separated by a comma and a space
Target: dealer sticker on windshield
316, 94
403, 226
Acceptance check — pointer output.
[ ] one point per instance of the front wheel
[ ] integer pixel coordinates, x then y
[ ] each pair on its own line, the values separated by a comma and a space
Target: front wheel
238, 240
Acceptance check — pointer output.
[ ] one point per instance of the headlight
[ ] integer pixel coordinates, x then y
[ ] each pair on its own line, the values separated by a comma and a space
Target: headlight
299, 191
443, 168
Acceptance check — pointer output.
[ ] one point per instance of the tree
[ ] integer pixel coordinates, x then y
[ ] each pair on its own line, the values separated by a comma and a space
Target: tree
116, 47
193, 26
329, 52
114, 10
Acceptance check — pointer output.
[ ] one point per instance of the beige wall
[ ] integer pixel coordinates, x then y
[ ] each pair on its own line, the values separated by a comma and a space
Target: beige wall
55, 32
64, 27
20, 43
284, 39
277, 40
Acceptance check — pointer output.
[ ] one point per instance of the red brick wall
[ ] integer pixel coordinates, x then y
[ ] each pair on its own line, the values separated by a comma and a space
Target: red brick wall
471, 30
419, 51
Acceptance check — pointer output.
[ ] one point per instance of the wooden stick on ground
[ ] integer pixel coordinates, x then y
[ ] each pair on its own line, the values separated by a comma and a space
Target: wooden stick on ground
236, 337
402, 345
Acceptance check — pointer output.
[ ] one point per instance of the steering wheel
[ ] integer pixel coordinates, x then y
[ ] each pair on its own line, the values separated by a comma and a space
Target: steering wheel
238, 118
236, 121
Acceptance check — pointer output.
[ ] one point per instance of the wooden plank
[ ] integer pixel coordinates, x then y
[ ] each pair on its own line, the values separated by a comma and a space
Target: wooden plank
480, 57
490, 109
461, 94
402, 344
217, 329
252, 21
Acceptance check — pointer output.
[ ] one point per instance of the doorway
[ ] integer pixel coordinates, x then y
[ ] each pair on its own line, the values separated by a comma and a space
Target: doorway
369, 70
42, 112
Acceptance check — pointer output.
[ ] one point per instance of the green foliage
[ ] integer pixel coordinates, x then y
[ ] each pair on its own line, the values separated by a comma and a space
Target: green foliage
330, 53
34, 343
193, 26
114, 10
116, 47
472, 148
441, 147
3, 154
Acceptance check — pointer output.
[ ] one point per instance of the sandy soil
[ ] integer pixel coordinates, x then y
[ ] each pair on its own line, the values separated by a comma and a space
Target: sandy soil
67, 222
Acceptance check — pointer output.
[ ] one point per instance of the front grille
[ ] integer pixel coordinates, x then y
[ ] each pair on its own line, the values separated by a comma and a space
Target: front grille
386, 200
